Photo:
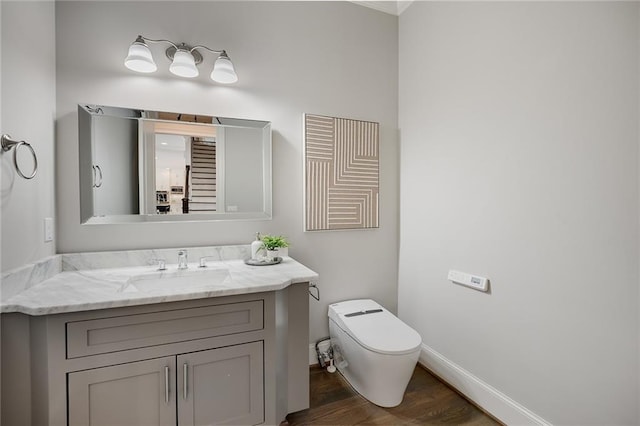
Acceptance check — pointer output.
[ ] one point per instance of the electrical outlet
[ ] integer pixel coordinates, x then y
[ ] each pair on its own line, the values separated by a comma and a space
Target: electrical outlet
48, 229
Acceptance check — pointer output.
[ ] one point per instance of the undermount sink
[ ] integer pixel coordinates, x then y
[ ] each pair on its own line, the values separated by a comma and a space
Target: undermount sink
181, 279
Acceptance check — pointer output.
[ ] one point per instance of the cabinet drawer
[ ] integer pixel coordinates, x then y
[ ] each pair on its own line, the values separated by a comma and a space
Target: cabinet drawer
113, 334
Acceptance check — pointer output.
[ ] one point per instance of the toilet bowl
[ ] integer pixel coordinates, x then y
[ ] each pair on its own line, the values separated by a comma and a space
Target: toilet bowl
373, 349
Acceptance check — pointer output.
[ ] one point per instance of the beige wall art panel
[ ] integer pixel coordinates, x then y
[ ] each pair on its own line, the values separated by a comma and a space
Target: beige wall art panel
341, 173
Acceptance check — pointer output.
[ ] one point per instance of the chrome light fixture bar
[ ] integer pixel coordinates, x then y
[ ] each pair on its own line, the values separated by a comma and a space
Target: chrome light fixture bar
184, 60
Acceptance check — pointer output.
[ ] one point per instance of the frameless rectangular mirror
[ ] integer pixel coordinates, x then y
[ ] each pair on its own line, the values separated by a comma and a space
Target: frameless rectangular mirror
150, 166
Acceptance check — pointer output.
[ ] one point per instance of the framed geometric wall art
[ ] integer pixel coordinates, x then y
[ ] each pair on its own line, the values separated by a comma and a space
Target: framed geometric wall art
342, 166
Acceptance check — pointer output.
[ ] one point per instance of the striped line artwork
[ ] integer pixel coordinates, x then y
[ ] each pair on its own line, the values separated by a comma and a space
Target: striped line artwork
341, 173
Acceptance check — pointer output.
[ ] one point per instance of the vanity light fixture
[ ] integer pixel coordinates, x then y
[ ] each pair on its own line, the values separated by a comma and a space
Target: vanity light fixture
184, 60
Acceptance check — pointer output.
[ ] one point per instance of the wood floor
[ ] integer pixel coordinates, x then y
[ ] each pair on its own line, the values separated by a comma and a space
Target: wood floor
427, 401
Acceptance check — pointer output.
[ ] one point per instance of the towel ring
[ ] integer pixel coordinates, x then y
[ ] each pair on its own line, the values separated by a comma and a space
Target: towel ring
7, 143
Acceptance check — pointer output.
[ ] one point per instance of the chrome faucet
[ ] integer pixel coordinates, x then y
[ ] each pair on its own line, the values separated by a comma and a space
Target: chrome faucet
203, 260
182, 259
161, 264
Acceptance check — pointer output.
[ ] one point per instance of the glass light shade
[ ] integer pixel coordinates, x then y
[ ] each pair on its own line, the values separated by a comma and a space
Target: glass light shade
183, 64
223, 71
139, 58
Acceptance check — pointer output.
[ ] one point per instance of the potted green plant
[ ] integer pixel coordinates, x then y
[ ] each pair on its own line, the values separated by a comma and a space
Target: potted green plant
272, 244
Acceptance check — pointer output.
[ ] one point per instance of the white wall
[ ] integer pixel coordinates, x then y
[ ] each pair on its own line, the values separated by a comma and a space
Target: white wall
332, 58
28, 108
519, 162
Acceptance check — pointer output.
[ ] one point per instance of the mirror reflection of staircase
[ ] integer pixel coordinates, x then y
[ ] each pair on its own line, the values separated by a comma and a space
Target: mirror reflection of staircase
203, 176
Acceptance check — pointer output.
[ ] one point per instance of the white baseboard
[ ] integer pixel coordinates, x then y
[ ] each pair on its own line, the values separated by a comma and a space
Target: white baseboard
490, 399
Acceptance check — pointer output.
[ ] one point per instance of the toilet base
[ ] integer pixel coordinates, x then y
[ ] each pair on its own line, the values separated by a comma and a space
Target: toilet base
380, 378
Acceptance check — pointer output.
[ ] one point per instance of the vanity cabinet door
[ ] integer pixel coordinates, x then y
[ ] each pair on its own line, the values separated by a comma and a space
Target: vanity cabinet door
221, 386
136, 393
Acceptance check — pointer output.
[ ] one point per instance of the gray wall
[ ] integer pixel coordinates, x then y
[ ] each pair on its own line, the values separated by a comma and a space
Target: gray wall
331, 58
519, 133
28, 112
27, 107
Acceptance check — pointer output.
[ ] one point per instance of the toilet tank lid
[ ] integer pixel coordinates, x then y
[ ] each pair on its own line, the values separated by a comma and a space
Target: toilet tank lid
375, 328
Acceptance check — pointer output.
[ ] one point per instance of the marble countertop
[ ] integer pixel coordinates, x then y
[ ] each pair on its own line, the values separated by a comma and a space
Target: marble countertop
90, 289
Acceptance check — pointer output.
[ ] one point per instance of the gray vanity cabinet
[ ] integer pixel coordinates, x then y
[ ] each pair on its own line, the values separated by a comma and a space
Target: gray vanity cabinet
221, 386
214, 387
135, 393
240, 359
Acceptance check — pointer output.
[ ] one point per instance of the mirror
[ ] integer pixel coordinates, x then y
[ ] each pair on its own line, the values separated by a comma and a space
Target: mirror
149, 166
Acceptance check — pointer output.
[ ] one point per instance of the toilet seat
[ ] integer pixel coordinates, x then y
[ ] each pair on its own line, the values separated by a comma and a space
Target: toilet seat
374, 328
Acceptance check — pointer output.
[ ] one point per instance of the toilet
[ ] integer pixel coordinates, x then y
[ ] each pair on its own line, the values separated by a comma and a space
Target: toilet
373, 349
